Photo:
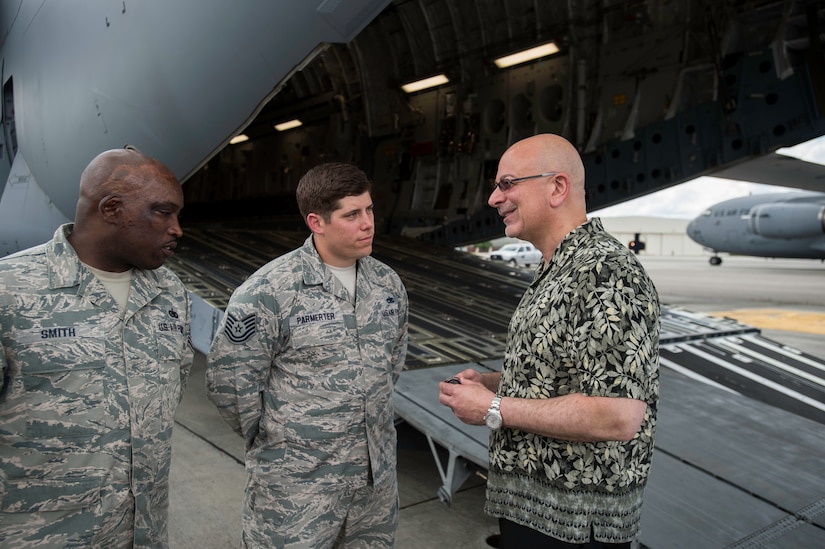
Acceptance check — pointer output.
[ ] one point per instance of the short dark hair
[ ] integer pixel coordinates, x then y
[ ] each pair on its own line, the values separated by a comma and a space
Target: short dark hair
321, 188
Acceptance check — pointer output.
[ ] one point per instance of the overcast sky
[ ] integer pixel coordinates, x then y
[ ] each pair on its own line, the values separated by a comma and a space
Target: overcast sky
692, 198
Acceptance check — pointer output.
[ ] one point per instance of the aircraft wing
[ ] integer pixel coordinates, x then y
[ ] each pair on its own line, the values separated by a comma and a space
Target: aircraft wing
777, 169
175, 79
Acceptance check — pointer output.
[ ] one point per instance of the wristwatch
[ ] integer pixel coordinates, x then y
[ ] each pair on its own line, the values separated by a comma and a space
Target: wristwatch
493, 416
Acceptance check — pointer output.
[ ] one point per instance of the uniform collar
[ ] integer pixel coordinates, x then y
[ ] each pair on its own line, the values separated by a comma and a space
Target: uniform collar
66, 270
315, 271
64, 266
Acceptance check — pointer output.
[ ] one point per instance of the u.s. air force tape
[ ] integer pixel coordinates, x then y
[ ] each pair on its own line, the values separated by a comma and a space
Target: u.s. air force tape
239, 330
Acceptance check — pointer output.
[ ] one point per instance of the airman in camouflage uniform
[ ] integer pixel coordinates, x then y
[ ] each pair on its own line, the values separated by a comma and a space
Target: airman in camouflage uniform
90, 386
304, 368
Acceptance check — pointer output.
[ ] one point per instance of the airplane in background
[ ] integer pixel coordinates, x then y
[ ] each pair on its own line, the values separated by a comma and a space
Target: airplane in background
788, 225
653, 93
180, 81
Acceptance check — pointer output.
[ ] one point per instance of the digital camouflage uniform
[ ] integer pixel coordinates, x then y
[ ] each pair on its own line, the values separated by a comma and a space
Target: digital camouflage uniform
306, 378
88, 400
589, 324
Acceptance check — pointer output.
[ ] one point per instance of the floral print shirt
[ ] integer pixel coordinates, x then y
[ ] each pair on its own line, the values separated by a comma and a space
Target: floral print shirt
589, 324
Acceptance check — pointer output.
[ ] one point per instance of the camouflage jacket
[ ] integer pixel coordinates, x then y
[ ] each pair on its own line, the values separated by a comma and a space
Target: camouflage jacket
589, 324
88, 400
306, 377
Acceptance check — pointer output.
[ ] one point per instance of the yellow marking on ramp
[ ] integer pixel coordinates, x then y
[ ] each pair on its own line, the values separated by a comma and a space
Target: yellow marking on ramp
778, 319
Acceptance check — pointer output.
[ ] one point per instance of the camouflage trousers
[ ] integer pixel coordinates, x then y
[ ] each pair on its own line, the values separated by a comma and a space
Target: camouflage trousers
364, 518
56, 521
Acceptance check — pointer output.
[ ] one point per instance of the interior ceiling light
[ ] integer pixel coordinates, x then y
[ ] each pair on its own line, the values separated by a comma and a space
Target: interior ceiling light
425, 83
240, 138
527, 55
283, 126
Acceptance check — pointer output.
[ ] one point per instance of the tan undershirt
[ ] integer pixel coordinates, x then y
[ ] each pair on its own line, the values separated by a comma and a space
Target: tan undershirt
116, 283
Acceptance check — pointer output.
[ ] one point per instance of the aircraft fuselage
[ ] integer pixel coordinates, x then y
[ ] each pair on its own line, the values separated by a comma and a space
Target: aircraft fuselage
787, 225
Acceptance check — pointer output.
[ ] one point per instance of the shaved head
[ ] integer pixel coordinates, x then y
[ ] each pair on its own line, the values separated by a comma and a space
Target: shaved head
547, 199
127, 212
120, 172
551, 153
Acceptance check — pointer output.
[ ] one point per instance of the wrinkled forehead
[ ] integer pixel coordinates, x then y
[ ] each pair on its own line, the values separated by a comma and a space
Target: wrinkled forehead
516, 162
146, 171
538, 155
155, 186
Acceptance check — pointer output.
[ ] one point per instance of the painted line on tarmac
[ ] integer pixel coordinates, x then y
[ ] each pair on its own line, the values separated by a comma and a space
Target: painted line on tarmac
778, 319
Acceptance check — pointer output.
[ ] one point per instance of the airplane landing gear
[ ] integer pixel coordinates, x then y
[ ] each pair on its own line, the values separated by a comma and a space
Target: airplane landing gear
715, 260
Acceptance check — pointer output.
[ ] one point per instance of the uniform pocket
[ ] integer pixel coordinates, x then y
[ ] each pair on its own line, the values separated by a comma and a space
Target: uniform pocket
58, 494
65, 507
64, 384
317, 329
320, 442
163, 381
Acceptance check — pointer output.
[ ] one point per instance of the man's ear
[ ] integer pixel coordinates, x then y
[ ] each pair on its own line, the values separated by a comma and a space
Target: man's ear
110, 207
315, 223
559, 189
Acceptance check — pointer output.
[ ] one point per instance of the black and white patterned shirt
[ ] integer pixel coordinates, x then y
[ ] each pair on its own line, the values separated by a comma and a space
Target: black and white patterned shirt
589, 324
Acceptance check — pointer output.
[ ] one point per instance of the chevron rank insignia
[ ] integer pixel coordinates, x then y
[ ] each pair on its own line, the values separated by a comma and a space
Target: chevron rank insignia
239, 330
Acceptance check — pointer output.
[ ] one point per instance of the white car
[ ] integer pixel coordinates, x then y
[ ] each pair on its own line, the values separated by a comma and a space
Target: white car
517, 254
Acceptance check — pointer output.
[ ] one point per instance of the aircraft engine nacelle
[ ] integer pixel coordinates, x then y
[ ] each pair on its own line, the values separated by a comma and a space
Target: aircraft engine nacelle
788, 220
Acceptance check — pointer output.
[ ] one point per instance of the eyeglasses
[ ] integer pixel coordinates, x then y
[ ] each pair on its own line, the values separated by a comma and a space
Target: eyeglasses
505, 184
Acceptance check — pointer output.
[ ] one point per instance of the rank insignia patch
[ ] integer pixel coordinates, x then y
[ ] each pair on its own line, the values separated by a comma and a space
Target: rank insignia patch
239, 330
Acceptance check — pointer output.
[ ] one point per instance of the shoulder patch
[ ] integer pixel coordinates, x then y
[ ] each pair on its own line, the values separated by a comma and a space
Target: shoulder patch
239, 330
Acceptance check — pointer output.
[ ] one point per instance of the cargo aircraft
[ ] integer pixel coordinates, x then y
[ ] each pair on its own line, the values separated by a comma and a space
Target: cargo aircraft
240, 98
653, 93
790, 224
